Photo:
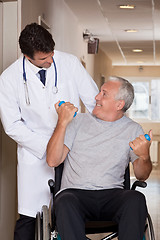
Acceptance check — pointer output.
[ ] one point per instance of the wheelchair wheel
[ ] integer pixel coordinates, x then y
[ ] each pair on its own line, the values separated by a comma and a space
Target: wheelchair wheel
149, 231
46, 223
38, 227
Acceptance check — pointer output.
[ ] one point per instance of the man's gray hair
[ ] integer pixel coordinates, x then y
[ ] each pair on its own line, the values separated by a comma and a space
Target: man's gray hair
126, 91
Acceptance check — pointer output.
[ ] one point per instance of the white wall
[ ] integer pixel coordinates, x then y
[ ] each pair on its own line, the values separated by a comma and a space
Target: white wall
9, 33
67, 32
0, 123
30, 10
8, 30
1, 5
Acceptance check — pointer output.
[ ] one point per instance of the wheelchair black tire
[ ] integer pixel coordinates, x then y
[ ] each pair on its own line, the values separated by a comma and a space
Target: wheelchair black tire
149, 231
46, 223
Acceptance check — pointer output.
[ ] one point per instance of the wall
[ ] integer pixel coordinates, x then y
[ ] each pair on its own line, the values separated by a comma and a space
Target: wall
137, 71
7, 146
9, 33
30, 10
0, 123
67, 32
1, 49
68, 36
102, 67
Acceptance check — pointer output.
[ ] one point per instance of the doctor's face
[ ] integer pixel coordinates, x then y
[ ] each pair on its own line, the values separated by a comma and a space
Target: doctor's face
42, 60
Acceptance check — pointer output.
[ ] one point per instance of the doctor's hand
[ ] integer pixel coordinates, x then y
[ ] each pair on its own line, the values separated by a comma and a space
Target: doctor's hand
141, 146
65, 112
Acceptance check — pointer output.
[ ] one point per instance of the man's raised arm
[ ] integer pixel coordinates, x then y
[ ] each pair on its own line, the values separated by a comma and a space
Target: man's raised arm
56, 150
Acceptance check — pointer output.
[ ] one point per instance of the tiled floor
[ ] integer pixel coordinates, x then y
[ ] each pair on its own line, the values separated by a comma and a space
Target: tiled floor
152, 193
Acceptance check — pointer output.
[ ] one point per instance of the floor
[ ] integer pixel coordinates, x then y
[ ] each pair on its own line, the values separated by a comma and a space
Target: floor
152, 193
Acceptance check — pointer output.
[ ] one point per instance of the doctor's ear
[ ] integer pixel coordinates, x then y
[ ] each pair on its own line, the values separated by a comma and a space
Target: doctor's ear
30, 59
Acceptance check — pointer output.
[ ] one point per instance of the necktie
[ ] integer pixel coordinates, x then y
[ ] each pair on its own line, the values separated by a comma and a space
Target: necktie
42, 74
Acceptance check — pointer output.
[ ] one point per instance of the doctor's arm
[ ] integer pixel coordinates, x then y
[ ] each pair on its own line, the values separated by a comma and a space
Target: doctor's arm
142, 166
87, 88
56, 150
12, 121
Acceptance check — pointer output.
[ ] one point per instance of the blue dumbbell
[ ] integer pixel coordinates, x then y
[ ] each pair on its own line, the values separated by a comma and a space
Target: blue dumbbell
147, 137
61, 102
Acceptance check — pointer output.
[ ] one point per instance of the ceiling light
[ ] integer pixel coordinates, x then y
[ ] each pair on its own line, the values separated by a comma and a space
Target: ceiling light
131, 30
127, 6
140, 62
137, 50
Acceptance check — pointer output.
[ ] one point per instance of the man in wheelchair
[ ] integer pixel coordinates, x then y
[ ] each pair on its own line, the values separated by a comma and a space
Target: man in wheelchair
96, 149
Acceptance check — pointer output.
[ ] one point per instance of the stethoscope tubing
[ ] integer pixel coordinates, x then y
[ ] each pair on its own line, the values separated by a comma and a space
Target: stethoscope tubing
55, 68
25, 80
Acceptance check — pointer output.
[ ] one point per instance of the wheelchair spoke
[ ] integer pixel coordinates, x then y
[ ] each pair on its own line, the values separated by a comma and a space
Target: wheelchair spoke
110, 236
149, 231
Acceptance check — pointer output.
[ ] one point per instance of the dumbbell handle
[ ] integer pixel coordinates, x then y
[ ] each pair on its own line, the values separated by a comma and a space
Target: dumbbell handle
61, 102
147, 137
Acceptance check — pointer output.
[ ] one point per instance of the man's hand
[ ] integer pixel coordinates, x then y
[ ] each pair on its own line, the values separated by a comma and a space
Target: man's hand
142, 165
65, 113
141, 146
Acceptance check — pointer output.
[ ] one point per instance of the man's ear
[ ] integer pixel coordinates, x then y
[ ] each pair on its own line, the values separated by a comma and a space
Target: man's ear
120, 104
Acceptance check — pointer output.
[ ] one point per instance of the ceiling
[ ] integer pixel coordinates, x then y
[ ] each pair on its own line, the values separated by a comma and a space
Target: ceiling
8, 0
106, 21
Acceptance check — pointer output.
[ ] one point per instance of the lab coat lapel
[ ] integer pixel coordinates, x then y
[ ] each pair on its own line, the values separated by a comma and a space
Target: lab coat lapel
30, 75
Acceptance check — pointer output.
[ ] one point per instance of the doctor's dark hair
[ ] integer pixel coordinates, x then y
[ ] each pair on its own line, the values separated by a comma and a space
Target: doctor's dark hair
126, 91
34, 38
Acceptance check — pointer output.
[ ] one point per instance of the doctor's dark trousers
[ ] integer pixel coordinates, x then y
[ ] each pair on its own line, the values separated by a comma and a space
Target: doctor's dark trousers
25, 228
126, 207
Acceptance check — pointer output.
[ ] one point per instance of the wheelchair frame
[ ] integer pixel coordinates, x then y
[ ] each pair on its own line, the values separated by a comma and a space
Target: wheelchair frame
46, 225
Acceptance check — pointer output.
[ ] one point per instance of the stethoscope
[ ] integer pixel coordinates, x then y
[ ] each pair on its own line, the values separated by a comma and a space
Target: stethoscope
55, 88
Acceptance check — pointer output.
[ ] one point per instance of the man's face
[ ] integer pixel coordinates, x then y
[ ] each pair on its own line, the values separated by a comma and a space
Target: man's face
42, 60
107, 108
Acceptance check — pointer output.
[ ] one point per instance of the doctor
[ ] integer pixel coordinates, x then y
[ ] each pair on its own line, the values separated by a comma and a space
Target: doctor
27, 99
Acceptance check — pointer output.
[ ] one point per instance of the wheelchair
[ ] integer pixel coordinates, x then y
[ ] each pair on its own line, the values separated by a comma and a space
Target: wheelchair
46, 224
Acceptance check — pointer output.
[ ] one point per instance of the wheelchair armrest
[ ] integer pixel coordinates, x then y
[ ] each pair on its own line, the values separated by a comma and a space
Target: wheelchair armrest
138, 184
51, 184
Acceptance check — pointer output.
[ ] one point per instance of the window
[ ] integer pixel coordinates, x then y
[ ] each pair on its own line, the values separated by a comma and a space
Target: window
146, 104
140, 106
155, 99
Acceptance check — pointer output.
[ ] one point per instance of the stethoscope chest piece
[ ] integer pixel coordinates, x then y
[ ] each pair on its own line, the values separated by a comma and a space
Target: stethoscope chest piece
55, 89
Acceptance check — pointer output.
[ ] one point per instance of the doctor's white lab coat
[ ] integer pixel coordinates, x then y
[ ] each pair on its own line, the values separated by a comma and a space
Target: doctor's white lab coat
31, 126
